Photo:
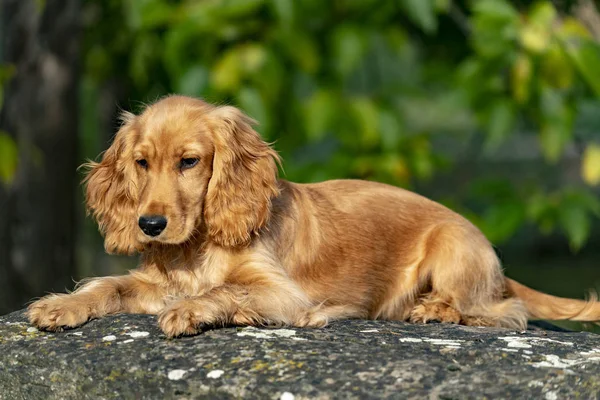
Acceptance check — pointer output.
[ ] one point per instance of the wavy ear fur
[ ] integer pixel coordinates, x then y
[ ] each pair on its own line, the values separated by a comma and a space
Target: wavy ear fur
111, 192
243, 182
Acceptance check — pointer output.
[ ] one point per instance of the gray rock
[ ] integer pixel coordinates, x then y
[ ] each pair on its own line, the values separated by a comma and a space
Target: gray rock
127, 357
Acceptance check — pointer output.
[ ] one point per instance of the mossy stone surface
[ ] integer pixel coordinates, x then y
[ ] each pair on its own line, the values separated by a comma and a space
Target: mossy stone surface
128, 357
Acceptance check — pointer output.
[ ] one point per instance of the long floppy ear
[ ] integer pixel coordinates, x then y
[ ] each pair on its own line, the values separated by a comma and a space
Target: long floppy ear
243, 182
111, 192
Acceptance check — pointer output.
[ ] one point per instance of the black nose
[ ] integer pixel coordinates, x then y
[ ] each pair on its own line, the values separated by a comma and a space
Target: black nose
152, 225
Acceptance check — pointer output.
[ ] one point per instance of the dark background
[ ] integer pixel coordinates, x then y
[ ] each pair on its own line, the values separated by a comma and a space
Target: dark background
491, 107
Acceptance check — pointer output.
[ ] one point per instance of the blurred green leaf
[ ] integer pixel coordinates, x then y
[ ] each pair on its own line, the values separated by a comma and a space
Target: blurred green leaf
253, 57
7, 71
422, 13
536, 34
497, 9
284, 10
590, 166
320, 111
268, 76
538, 205
156, 13
349, 47
541, 209
542, 13
395, 166
572, 29
502, 220
239, 8
98, 63
421, 158
575, 222
145, 14
556, 68
302, 50
553, 139
366, 114
589, 200
226, 74
40, 5
252, 102
177, 43
586, 57
9, 156
391, 130
142, 56
193, 82
204, 16
495, 27
500, 122
442, 5
556, 122
495, 189
521, 78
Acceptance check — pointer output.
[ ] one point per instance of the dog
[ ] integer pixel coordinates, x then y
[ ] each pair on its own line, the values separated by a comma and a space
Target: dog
194, 189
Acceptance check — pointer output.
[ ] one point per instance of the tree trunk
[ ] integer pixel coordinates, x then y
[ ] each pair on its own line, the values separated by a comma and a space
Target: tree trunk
38, 209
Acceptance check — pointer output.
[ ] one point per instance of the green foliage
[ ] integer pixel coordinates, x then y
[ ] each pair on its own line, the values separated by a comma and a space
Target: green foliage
8, 158
590, 168
385, 90
7, 71
8, 148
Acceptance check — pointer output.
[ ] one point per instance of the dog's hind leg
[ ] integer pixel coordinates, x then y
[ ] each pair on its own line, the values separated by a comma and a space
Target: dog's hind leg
466, 280
433, 308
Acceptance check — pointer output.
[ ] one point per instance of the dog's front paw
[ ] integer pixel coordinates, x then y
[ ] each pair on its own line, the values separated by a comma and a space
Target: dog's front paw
431, 311
182, 318
55, 312
312, 319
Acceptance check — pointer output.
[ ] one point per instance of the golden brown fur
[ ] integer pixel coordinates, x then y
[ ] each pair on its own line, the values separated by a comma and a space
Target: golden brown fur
242, 247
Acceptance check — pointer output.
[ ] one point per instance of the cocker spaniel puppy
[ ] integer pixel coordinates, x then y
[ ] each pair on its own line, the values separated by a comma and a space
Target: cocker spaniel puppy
194, 189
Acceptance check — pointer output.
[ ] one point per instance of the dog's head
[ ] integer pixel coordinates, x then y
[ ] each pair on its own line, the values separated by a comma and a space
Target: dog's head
181, 166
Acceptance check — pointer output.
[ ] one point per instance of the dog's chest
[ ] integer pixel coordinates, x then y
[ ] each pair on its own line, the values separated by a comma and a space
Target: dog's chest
199, 275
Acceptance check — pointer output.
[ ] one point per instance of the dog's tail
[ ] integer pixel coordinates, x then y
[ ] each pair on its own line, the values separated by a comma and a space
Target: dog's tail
544, 306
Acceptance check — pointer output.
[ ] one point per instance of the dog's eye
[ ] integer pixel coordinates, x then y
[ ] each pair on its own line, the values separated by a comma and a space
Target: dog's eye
187, 163
142, 163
